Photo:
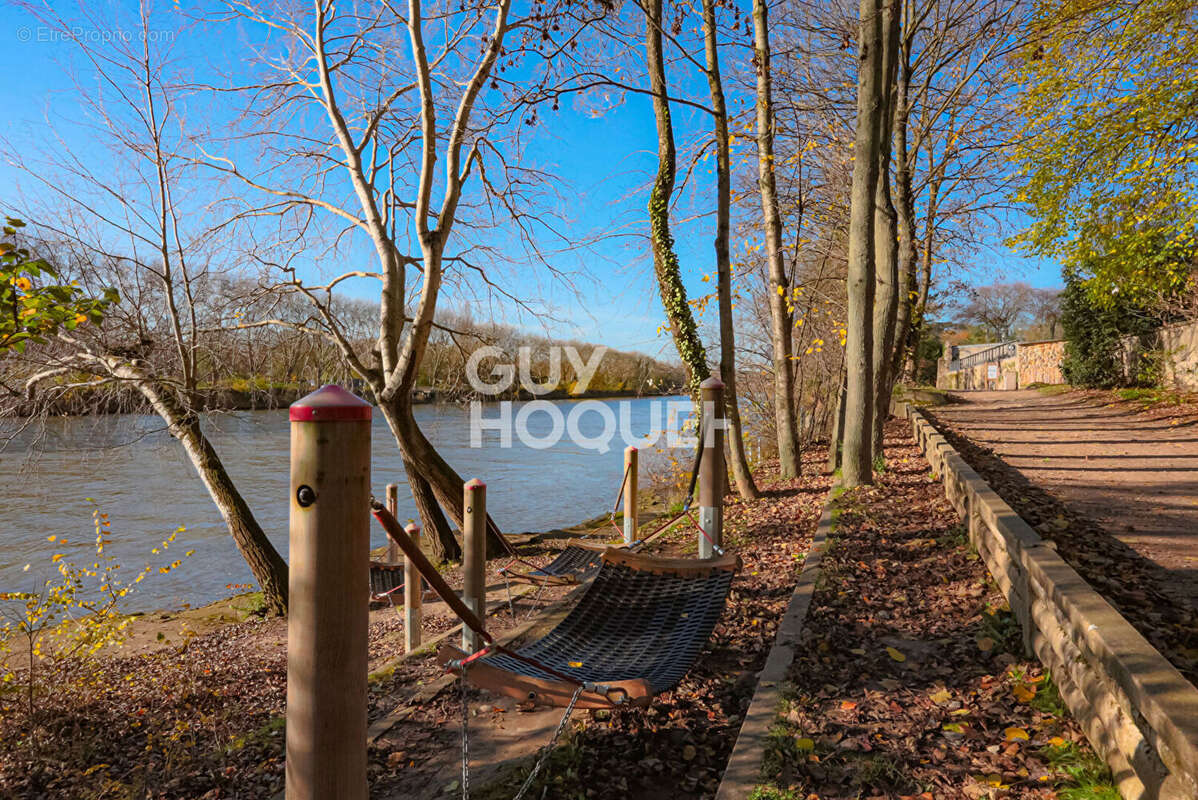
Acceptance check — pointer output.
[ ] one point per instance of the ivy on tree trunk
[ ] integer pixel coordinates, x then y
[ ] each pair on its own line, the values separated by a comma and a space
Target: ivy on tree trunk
665, 260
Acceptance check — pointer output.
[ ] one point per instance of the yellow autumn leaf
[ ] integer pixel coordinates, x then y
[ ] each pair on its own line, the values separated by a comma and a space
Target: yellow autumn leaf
896, 655
805, 744
1012, 734
940, 697
1024, 693
575, 664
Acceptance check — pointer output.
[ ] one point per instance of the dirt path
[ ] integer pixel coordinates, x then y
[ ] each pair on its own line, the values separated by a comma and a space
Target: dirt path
1133, 472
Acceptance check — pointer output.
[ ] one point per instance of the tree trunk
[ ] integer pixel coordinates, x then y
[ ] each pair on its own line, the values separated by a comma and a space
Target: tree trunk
436, 486
904, 196
921, 303
738, 462
834, 442
886, 270
267, 566
781, 323
665, 261
857, 450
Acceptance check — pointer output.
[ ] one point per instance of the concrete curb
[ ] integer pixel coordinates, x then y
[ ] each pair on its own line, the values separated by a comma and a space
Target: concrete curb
1137, 710
743, 771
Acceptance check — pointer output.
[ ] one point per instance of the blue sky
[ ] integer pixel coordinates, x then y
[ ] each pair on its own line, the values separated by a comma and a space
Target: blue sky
605, 163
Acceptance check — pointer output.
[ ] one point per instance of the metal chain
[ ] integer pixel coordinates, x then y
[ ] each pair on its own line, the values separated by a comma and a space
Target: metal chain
465, 739
561, 726
508, 585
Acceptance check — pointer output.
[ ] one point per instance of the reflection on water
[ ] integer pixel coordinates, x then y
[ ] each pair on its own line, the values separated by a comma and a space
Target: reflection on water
142, 479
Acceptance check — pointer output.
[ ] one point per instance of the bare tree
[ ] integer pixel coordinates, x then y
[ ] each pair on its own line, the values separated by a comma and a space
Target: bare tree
736, 445
397, 117
1000, 309
780, 314
886, 270
132, 226
857, 459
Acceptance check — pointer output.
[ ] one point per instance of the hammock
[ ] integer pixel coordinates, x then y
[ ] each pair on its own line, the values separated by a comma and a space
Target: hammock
384, 579
637, 630
578, 562
574, 564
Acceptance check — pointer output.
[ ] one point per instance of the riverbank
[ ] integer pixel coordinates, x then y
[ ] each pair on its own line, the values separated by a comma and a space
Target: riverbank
189, 704
85, 402
197, 711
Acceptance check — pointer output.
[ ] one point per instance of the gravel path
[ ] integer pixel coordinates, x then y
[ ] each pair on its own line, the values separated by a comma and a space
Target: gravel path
1132, 470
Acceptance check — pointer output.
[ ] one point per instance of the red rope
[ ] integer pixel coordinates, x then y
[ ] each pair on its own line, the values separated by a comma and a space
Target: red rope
714, 546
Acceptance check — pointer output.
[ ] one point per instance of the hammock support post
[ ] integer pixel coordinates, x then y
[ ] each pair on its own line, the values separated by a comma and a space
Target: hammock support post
711, 468
630, 499
327, 623
474, 558
393, 507
413, 610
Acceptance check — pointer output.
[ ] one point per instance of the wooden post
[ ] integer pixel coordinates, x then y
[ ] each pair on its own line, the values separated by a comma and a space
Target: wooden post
393, 507
711, 469
413, 590
474, 557
327, 618
630, 499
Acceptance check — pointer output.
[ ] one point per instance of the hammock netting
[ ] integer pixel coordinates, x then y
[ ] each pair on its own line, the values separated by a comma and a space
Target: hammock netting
574, 564
640, 626
385, 578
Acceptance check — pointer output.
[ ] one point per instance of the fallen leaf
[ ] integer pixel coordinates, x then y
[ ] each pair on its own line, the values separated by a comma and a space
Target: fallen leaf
896, 655
1024, 693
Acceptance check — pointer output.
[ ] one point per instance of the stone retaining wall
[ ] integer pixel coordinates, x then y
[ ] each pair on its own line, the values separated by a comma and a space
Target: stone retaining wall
1137, 710
1040, 362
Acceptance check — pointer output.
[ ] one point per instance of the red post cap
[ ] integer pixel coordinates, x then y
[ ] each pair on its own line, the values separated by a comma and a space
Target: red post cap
475, 483
330, 403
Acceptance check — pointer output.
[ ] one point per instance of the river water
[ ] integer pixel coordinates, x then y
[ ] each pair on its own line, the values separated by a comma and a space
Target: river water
141, 478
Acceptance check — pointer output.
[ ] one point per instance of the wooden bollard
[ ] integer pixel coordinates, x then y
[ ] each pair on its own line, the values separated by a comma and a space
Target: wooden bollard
393, 507
630, 499
474, 557
711, 468
413, 589
327, 618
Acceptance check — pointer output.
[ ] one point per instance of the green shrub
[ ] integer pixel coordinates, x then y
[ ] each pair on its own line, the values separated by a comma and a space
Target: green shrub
1094, 333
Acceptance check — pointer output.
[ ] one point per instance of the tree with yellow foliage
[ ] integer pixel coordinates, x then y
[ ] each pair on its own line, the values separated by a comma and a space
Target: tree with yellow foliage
1109, 147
